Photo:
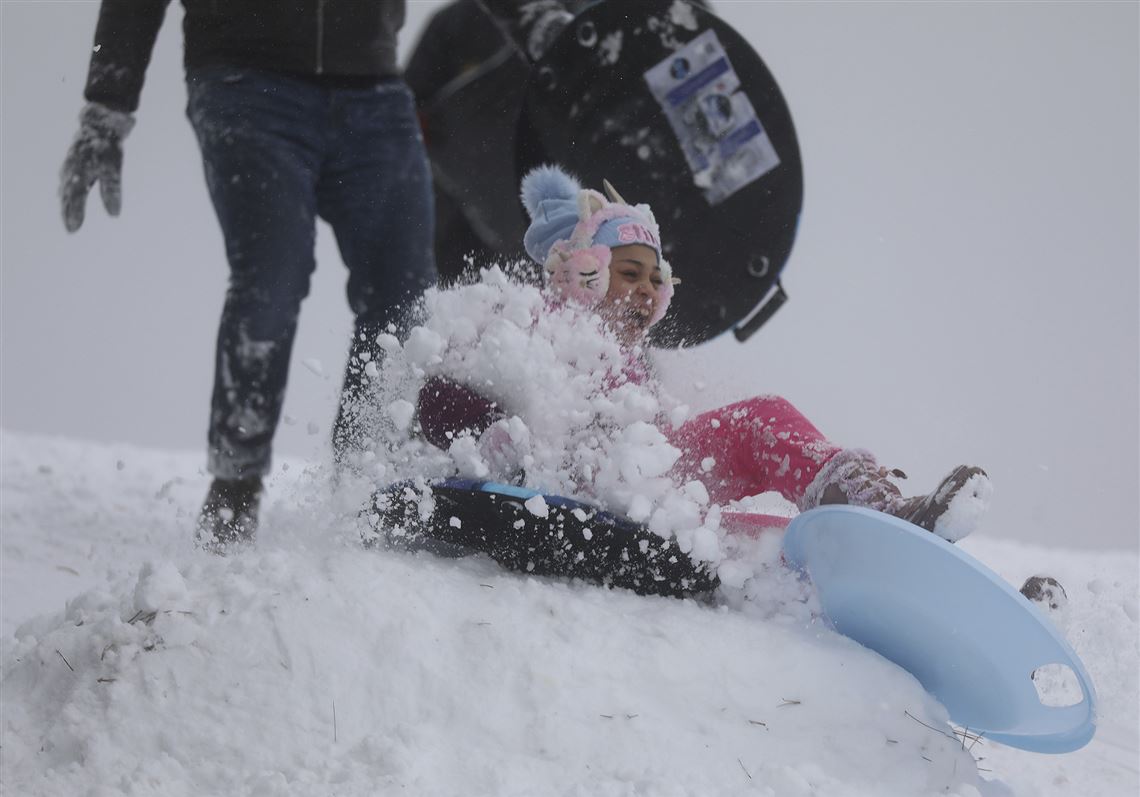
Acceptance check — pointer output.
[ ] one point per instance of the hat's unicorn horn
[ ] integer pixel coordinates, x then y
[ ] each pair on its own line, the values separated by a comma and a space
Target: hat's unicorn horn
612, 193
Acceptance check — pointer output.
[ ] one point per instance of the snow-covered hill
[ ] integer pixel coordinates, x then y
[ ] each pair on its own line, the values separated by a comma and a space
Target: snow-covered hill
135, 664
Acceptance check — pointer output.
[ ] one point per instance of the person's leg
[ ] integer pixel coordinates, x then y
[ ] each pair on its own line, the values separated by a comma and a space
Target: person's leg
375, 191
261, 163
259, 153
758, 445
458, 249
764, 444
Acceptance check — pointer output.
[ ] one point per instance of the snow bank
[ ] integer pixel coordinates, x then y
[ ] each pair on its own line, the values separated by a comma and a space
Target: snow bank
309, 666
1100, 622
286, 672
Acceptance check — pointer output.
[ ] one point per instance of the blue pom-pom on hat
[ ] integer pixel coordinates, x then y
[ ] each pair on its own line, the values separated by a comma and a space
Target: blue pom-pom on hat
550, 196
547, 182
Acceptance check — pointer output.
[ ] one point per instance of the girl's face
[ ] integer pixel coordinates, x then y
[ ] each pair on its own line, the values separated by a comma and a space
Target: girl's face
634, 292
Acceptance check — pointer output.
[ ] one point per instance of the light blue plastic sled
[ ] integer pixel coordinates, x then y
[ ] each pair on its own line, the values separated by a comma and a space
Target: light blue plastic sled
970, 639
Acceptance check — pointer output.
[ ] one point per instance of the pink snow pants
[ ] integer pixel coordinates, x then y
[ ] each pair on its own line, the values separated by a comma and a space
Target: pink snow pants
751, 447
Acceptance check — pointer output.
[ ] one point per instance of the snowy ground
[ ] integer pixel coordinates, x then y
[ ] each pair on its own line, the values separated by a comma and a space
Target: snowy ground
134, 664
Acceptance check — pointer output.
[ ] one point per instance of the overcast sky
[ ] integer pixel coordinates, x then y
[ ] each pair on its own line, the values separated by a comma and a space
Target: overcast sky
964, 286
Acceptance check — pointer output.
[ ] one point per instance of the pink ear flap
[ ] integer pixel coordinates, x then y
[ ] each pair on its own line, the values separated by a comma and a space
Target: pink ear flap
663, 302
581, 274
668, 285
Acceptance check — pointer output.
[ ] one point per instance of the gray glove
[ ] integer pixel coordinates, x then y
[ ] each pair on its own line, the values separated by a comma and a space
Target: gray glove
96, 154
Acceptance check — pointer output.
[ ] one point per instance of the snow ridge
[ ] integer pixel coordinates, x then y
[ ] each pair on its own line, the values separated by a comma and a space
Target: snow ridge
308, 665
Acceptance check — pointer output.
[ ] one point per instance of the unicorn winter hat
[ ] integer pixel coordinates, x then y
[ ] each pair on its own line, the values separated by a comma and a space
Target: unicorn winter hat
573, 229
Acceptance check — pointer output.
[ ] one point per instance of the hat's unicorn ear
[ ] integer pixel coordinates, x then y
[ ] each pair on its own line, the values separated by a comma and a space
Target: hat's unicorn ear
589, 203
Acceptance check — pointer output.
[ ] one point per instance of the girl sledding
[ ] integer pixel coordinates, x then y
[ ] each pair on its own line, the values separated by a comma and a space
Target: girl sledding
561, 397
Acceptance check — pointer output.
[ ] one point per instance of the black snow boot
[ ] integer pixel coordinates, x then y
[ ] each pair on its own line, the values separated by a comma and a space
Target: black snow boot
229, 514
1046, 592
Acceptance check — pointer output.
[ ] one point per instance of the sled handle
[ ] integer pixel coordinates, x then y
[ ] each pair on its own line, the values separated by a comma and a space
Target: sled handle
764, 311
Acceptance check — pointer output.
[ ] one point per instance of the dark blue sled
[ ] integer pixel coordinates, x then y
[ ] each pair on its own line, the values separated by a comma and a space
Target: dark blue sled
574, 539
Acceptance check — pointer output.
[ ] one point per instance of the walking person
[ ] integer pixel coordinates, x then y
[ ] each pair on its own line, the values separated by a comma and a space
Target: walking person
300, 112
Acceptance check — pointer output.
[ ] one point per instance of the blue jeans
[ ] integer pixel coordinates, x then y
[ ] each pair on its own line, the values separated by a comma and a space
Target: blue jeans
278, 152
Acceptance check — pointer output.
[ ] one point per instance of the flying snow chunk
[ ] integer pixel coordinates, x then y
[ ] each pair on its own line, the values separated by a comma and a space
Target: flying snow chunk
537, 506
401, 412
734, 573
706, 545
469, 462
679, 414
681, 14
389, 343
314, 365
639, 508
423, 346
609, 50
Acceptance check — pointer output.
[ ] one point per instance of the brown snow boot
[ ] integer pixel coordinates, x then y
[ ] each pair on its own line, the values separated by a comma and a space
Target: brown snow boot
928, 510
229, 514
952, 510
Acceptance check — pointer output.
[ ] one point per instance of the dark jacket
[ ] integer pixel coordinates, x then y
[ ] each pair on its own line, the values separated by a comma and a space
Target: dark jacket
339, 38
